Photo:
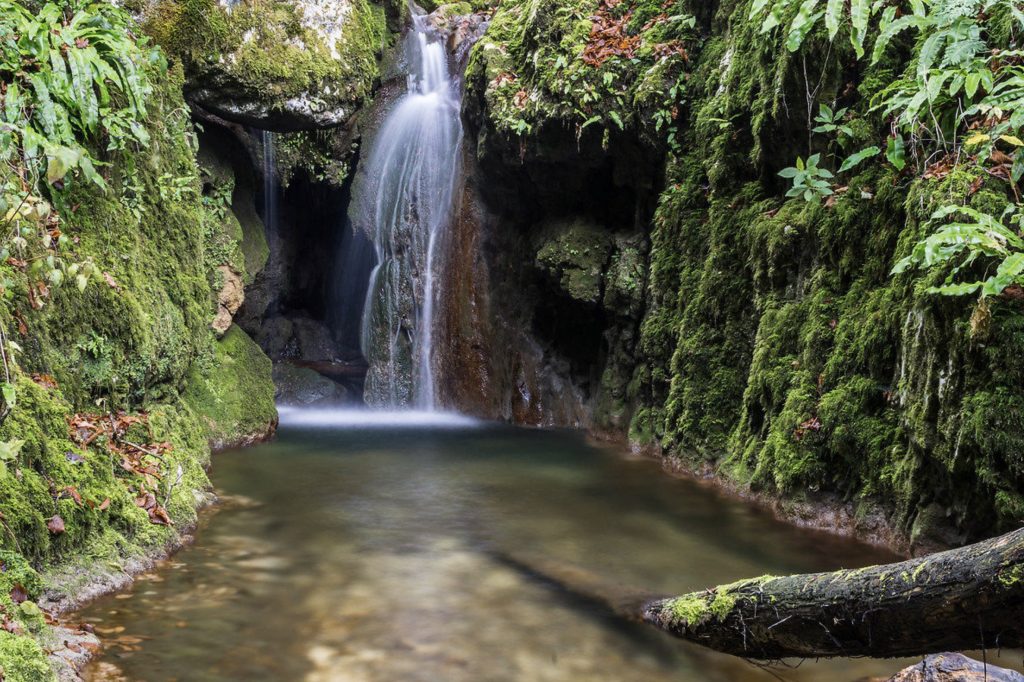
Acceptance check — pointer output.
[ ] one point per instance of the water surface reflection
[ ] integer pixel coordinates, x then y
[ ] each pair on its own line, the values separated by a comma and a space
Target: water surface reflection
375, 554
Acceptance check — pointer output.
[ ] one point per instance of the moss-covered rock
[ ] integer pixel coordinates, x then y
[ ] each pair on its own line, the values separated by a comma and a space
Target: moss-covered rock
274, 64
232, 393
22, 659
575, 255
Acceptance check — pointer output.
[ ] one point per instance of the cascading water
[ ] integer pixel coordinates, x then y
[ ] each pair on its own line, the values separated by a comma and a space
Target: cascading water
405, 205
269, 181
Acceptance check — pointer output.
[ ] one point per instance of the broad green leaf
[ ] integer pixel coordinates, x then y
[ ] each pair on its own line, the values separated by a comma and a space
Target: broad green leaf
10, 449
60, 161
929, 52
971, 83
9, 393
833, 10
894, 152
860, 15
977, 138
891, 31
12, 103
1009, 272
802, 24
855, 158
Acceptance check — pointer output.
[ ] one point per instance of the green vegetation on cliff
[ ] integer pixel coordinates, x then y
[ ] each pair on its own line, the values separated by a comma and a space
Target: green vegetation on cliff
777, 342
109, 284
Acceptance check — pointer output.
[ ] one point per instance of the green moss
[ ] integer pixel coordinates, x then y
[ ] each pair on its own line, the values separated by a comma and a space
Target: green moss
689, 609
1011, 575
233, 392
270, 52
717, 603
530, 71
22, 659
323, 155
576, 255
131, 341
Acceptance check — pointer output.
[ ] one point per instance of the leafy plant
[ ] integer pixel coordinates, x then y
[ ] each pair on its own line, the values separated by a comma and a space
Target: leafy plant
809, 181
809, 12
74, 74
9, 451
177, 188
959, 244
832, 122
853, 160
75, 80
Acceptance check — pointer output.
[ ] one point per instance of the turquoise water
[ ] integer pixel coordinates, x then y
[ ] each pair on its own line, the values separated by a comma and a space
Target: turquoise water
382, 553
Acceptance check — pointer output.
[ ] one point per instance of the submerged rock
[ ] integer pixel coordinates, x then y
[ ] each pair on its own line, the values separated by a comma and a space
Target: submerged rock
955, 668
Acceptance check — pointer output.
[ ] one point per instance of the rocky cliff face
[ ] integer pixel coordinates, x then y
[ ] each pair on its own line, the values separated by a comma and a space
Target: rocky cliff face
626, 158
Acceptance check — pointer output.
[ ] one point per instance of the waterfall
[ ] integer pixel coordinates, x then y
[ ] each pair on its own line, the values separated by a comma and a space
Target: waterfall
405, 205
269, 182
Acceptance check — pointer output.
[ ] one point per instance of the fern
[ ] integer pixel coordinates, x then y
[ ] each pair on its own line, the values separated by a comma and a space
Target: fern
75, 80
958, 245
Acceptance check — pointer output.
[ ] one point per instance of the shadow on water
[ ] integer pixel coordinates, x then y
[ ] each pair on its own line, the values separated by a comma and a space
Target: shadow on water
384, 553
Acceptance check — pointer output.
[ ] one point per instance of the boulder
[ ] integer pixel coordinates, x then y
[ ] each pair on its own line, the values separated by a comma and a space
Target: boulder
955, 668
299, 386
282, 66
575, 254
314, 339
274, 336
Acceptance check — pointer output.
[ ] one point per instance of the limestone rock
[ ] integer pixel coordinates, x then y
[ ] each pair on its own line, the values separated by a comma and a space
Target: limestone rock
229, 298
955, 668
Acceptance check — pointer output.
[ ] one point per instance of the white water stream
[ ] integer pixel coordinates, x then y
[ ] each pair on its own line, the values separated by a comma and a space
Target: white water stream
405, 206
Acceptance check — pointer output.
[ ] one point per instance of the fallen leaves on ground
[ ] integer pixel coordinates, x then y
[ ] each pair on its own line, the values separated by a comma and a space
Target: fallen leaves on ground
144, 460
45, 380
157, 514
610, 36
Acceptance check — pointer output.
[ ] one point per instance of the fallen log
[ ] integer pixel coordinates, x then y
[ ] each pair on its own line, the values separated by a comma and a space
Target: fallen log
966, 598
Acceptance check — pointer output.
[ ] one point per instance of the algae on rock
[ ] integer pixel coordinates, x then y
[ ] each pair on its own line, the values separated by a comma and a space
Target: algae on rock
285, 66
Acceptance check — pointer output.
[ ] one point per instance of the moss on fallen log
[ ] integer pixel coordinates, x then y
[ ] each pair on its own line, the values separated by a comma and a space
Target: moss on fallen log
967, 598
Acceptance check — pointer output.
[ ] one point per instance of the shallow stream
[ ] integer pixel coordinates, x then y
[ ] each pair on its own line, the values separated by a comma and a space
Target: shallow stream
381, 553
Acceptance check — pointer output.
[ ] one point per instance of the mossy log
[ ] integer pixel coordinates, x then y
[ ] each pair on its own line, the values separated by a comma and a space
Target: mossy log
967, 598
